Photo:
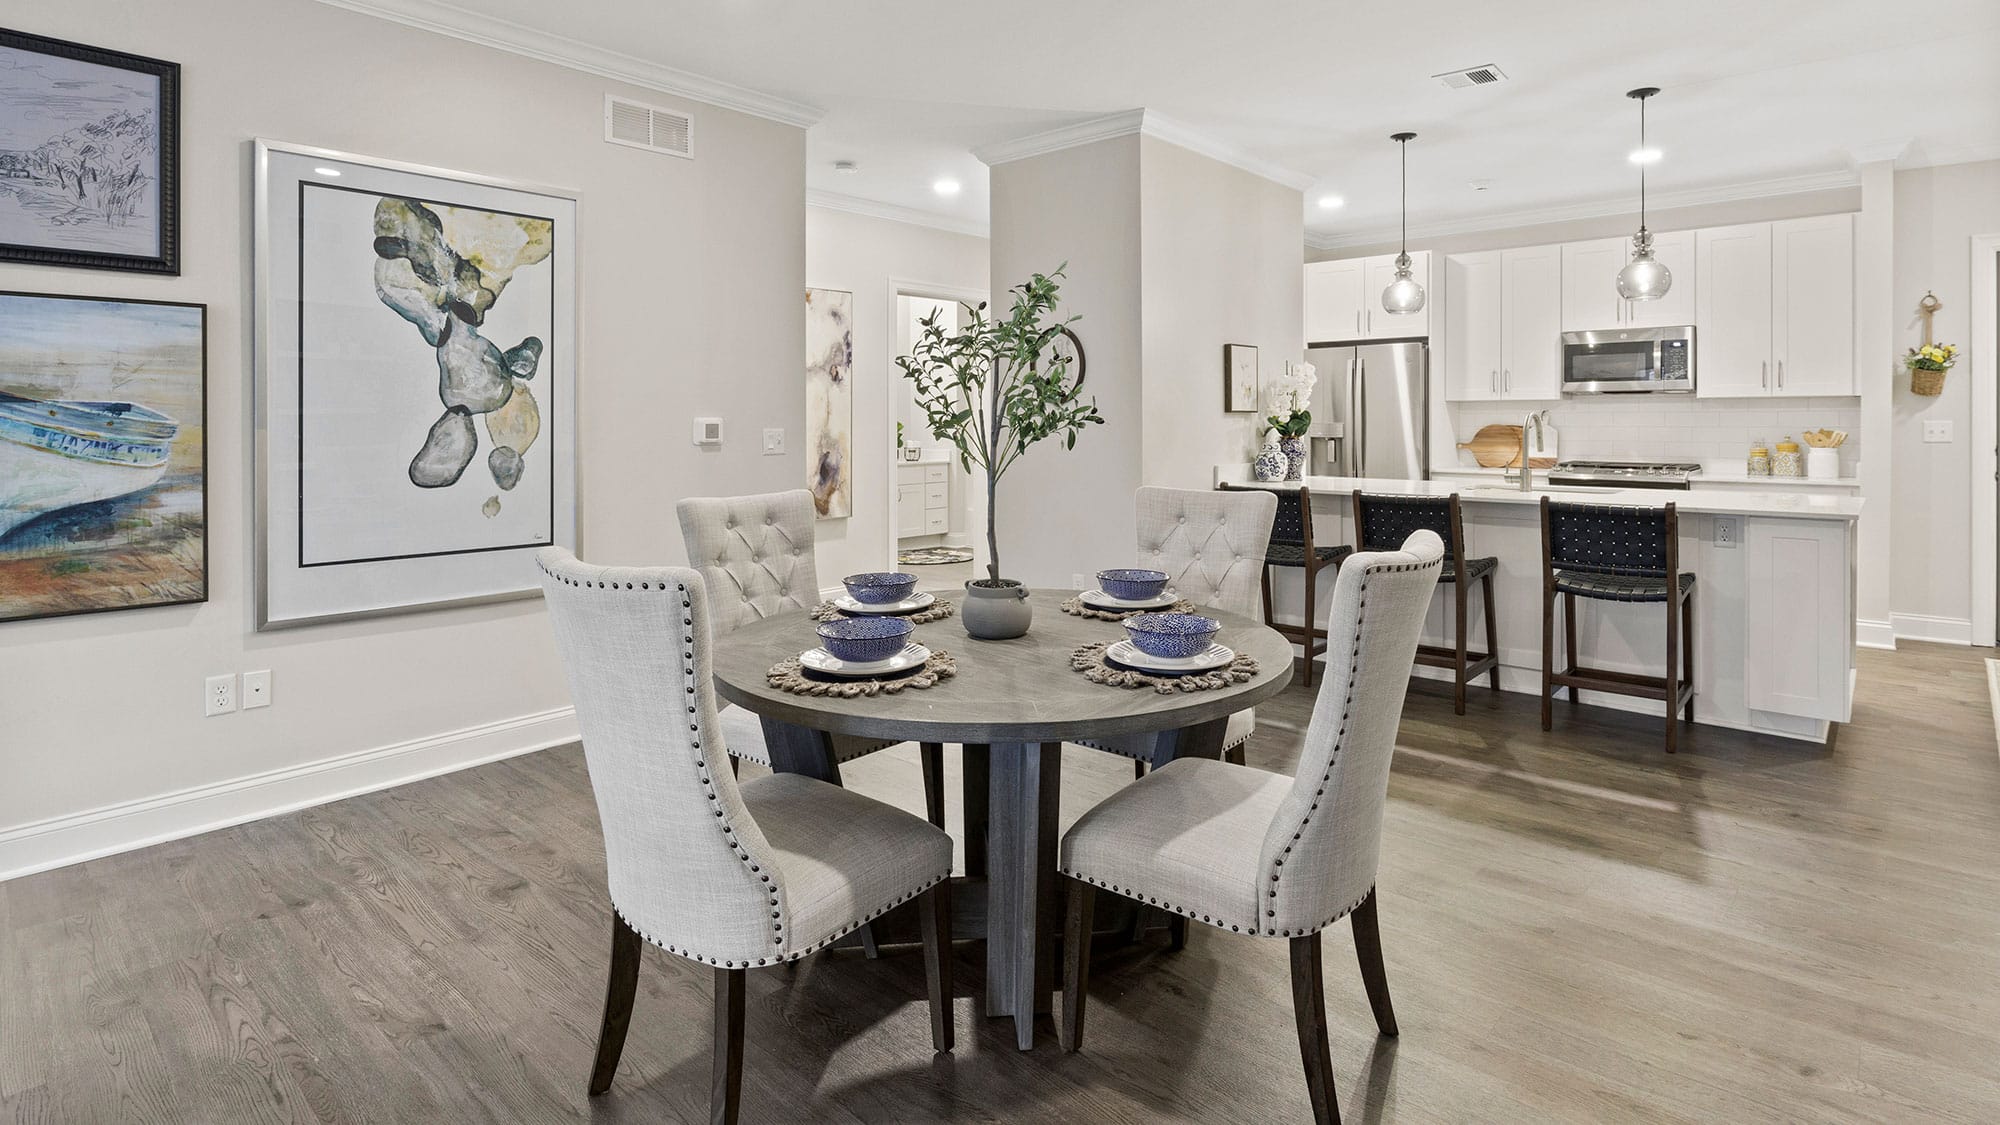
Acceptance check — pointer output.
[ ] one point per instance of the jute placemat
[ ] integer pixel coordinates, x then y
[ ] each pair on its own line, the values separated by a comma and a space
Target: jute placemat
789, 676
936, 611
1077, 607
1090, 661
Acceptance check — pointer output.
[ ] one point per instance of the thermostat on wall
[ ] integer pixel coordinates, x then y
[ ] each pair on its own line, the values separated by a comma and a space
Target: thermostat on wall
708, 431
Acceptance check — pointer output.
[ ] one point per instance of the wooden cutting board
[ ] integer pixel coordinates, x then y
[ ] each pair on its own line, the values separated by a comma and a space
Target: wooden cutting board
1499, 447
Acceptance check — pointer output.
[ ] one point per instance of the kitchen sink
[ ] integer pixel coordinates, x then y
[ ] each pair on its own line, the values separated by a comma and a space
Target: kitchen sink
1503, 490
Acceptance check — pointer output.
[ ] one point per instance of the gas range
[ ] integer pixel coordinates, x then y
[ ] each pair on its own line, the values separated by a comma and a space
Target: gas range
1625, 474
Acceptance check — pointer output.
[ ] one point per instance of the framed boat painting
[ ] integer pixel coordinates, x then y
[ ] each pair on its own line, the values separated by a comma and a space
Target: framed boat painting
103, 458
416, 351
89, 156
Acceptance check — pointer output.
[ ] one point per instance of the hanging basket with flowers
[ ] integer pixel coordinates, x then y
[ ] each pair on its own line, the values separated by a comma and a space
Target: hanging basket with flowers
1927, 367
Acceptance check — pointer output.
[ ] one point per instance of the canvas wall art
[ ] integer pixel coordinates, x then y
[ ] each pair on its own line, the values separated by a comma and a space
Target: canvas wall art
89, 156
417, 348
103, 466
1239, 378
830, 401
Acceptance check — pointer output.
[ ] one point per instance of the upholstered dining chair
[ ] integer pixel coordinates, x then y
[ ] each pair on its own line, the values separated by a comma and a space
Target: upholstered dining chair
755, 555
731, 876
1210, 545
1259, 853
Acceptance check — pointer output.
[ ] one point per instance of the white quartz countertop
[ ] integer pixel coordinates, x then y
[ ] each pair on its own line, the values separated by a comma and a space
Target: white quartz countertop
1706, 476
1823, 504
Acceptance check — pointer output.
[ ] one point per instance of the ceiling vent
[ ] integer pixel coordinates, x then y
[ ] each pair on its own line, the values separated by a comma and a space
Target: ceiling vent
1485, 75
648, 126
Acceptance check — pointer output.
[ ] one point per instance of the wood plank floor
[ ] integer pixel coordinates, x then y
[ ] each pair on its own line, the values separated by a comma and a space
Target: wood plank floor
1576, 928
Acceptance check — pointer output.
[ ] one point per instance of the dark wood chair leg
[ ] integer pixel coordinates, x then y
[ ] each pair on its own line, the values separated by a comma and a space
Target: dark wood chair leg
725, 1088
1138, 769
934, 914
1672, 681
932, 754
1311, 597
1687, 650
619, 989
1309, 1009
976, 763
1492, 629
1368, 948
735, 766
1076, 960
1264, 586
1569, 641
869, 948
1458, 648
1548, 652
1177, 932
1235, 754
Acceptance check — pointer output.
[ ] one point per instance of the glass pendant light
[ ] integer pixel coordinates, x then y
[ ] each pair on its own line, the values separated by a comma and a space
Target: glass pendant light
1404, 295
1644, 278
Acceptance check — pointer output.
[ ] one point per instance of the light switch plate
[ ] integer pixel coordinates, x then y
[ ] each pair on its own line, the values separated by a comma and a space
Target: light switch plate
708, 431
256, 689
1937, 432
774, 442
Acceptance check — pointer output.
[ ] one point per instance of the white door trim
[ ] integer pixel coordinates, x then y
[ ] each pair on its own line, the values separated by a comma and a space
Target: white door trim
1985, 348
936, 291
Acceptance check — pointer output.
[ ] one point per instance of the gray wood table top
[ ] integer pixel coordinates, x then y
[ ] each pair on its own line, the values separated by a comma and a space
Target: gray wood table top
1021, 690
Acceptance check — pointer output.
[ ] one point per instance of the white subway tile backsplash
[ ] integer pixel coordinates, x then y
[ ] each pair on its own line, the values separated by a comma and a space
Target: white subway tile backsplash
1716, 431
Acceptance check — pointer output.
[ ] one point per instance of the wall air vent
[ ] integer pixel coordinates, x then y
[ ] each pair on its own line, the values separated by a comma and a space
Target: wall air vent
1485, 75
649, 127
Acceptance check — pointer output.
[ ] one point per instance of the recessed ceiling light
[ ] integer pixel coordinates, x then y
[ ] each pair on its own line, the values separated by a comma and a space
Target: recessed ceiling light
845, 167
1479, 185
1644, 156
334, 172
1331, 203
946, 187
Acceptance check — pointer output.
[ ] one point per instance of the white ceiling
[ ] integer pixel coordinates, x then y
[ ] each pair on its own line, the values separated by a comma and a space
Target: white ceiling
1751, 91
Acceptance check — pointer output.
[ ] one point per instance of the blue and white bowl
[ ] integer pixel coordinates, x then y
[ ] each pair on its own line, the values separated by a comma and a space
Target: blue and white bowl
861, 640
1176, 636
1132, 585
879, 587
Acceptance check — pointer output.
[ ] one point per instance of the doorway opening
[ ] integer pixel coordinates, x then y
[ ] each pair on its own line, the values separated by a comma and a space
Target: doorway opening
937, 509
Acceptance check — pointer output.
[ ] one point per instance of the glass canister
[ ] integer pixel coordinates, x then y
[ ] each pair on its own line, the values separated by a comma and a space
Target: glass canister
1787, 462
1760, 459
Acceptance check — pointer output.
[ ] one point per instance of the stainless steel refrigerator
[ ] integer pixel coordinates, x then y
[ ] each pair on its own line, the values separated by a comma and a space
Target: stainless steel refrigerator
1376, 399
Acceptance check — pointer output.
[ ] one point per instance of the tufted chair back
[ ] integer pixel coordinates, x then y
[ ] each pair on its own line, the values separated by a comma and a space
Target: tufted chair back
755, 553
688, 867
1321, 850
1210, 544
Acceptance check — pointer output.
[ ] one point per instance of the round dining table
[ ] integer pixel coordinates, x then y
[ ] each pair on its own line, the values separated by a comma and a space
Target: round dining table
1011, 706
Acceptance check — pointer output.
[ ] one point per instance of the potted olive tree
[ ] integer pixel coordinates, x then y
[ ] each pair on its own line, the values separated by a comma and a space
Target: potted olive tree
992, 388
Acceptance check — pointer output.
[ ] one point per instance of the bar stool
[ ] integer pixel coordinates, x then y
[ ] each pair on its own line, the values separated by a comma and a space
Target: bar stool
1617, 554
1292, 546
1383, 522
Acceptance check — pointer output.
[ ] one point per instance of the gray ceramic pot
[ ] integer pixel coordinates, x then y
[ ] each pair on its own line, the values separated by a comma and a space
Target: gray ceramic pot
996, 613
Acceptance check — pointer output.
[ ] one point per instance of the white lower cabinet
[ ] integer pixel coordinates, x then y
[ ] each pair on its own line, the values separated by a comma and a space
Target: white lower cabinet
1799, 610
923, 499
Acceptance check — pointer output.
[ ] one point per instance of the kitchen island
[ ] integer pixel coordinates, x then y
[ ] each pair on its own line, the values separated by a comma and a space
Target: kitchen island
1773, 606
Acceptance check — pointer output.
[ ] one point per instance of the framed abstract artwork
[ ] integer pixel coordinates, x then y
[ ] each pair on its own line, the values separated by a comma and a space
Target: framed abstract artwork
416, 348
1239, 378
103, 454
830, 401
89, 156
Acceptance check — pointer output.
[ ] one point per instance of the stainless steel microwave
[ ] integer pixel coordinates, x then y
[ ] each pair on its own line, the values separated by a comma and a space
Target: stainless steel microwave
1628, 361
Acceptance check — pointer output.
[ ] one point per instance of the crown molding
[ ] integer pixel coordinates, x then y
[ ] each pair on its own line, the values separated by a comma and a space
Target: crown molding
503, 35
893, 212
1874, 151
1592, 209
1150, 123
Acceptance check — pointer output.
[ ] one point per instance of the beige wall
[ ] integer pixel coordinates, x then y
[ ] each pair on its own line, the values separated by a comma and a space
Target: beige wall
1938, 211
1064, 512
1218, 267
864, 255
690, 284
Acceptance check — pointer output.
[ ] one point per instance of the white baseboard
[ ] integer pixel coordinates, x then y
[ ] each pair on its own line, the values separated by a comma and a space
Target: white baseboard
60, 841
1923, 627
1874, 634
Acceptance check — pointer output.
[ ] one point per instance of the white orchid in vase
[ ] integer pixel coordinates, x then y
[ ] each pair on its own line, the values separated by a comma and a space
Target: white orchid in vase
1291, 400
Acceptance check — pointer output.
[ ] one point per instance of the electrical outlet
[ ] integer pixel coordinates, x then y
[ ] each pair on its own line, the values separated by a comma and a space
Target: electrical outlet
774, 442
1725, 532
219, 695
256, 689
1936, 433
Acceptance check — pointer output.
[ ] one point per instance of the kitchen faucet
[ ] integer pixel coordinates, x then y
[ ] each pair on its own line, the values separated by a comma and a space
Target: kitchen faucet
1533, 422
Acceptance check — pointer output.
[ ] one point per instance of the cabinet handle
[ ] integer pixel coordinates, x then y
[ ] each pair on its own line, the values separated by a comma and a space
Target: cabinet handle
1763, 372
1506, 380
1357, 321
1494, 378
1781, 374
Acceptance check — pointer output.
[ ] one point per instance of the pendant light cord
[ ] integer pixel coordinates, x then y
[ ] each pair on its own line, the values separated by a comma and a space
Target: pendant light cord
1642, 166
1404, 195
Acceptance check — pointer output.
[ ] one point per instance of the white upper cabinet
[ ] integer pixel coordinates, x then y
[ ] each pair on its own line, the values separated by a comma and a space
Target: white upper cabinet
1333, 301
1531, 323
1344, 299
1590, 300
1472, 327
1733, 312
1812, 308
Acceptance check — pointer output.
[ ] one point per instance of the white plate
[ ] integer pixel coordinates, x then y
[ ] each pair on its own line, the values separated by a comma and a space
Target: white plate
819, 660
915, 603
1100, 600
1126, 653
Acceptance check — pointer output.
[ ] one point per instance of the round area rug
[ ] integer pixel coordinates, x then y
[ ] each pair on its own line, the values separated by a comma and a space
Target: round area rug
933, 556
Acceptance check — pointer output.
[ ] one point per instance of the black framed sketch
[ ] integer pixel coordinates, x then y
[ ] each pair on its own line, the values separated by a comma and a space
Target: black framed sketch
1239, 378
89, 156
